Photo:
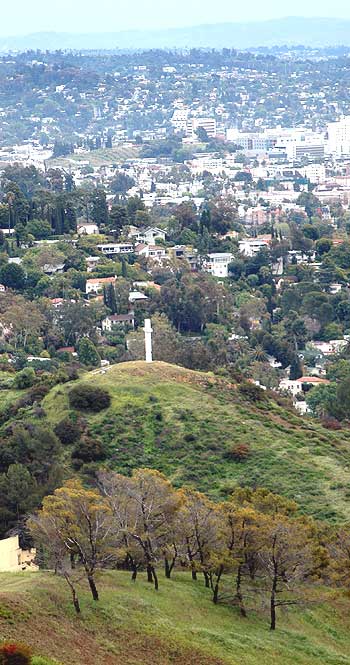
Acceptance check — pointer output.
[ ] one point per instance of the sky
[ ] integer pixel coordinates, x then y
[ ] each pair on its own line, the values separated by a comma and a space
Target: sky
26, 16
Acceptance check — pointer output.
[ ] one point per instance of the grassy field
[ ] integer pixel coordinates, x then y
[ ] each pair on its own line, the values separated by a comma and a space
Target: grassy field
184, 423
102, 157
134, 625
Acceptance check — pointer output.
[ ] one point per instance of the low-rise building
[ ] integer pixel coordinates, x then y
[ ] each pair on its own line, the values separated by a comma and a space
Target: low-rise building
217, 264
13, 558
116, 320
96, 285
113, 248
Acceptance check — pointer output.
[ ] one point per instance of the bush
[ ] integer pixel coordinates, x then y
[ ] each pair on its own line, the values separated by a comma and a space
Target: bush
88, 398
251, 391
89, 450
25, 378
239, 452
67, 431
15, 654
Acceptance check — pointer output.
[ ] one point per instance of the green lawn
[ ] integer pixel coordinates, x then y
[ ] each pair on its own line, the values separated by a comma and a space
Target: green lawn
134, 625
184, 423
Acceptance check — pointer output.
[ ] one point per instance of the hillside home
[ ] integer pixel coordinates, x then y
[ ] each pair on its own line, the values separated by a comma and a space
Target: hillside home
13, 558
113, 248
87, 229
116, 320
96, 285
217, 264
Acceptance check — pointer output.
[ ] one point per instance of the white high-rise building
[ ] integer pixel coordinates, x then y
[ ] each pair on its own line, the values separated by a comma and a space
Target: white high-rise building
339, 137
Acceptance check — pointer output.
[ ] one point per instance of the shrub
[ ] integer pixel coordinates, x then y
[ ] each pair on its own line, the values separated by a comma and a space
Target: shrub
15, 654
67, 431
88, 398
239, 452
25, 378
331, 423
251, 391
89, 450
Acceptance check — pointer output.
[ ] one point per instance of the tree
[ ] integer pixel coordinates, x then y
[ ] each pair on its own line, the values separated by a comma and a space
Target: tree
24, 321
153, 505
286, 559
99, 210
13, 276
296, 368
82, 524
87, 353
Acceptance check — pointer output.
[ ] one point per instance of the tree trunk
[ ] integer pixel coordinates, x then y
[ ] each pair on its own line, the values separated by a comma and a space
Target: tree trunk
167, 569
74, 594
72, 560
134, 574
239, 595
149, 574
216, 586
207, 581
155, 578
194, 575
93, 588
273, 605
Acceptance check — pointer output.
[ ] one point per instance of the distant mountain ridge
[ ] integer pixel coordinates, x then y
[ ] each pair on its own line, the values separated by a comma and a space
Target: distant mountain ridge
290, 31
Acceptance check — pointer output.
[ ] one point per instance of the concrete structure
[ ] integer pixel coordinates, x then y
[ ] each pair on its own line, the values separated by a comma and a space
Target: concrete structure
148, 340
87, 229
252, 246
13, 558
339, 137
113, 248
217, 264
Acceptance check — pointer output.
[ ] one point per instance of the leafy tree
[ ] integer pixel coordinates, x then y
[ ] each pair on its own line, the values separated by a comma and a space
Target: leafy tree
87, 353
13, 276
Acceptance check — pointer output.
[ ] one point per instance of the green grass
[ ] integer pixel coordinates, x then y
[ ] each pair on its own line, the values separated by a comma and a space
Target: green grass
183, 423
104, 156
134, 625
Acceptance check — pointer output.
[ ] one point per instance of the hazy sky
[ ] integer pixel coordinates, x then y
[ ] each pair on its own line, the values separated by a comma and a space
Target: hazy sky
24, 16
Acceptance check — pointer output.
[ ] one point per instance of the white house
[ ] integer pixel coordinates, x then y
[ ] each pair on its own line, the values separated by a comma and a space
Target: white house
116, 320
88, 229
154, 252
217, 264
148, 235
113, 248
95, 286
252, 246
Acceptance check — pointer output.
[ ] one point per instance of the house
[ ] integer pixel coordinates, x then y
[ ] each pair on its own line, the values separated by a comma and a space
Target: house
180, 252
113, 248
332, 347
116, 320
217, 264
13, 558
137, 296
96, 285
53, 269
252, 246
91, 262
297, 386
154, 252
87, 229
147, 235
2, 288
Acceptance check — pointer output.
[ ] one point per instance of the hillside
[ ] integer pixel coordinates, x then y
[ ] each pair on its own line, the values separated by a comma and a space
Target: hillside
134, 625
290, 30
185, 423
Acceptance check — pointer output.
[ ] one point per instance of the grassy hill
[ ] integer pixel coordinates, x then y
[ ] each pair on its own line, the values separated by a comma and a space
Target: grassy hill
134, 625
184, 423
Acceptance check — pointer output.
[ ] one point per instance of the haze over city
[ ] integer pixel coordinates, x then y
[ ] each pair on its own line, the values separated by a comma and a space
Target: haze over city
37, 16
